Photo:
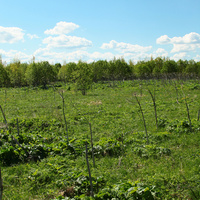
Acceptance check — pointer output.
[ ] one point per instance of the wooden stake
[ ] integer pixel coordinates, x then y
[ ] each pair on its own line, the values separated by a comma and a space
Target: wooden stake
142, 118
176, 92
198, 115
63, 100
1, 186
154, 105
188, 112
88, 166
17, 127
5, 121
92, 145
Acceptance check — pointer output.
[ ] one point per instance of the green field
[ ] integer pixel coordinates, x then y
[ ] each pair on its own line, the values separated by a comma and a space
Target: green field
39, 161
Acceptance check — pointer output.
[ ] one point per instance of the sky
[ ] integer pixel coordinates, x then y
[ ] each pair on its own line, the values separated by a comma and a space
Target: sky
62, 31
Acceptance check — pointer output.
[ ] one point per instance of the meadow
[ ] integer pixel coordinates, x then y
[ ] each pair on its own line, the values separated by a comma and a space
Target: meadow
45, 141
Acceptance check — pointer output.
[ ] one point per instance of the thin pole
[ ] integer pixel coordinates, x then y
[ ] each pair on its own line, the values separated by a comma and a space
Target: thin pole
142, 118
1, 186
188, 111
63, 100
154, 105
3, 115
92, 145
88, 166
17, 127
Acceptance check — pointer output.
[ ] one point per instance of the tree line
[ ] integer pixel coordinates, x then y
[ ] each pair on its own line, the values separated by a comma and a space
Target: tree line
17, 74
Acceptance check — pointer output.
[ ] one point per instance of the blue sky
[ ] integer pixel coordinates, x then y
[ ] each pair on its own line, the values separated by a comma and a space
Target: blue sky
67, 31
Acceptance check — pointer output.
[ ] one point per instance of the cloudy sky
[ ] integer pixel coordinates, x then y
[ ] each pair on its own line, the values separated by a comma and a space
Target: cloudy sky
67, 31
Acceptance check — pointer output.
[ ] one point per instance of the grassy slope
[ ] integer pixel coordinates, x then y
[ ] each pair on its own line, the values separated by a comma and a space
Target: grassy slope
114, 114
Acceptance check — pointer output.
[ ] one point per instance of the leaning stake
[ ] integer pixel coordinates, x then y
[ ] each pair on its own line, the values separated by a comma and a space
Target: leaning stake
63, 100
142, 118
154, 105
198, 115
1, 186
88, 166
92, 145
188, 111
17, 127
5, 121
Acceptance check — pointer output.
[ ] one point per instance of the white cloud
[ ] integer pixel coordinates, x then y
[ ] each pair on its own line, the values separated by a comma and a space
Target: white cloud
11, 34
64, 41
184, 47
161, 52
62, 28
178, 56
197, 58
191, 38
32, 36
163, 40
125, 47
52, 56
189, 42
14, 54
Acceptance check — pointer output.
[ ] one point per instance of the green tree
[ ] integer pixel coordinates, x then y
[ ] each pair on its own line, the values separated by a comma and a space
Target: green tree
118, 69
4, 77
56, 69
181, 65
142, 69
158, 65
17, 73
47, 73
192, 67
198, 67
112, 70
151, 65
123, 70
132, 67
82, 77
40, 73
100, 70
66, 71
32, 74
169, 66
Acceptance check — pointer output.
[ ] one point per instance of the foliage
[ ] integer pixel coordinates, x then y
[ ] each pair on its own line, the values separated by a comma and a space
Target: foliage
100, 70
17, 73
4, 77
65, 72
40, 74
127, 190
84, 74
147, 151
82, 77
37, 162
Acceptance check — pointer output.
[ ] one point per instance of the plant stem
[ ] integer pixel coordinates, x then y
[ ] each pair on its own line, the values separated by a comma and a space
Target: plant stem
142, 118
92, 145
189, 187
66, 128
176, 92
188, 112
3, 115
17, 127
198, 115
1, 186
88, 166
154, 105
5, 99
65, 120
13, 138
